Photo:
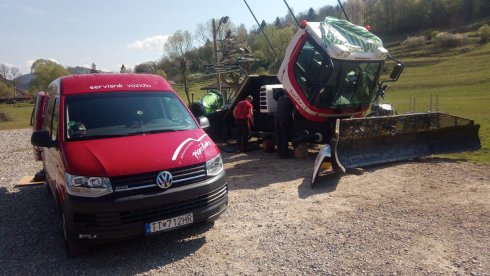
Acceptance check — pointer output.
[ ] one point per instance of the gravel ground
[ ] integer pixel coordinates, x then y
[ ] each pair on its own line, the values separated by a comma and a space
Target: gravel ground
414, 218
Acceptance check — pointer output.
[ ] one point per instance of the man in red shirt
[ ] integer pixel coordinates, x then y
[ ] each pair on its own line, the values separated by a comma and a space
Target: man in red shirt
243, 114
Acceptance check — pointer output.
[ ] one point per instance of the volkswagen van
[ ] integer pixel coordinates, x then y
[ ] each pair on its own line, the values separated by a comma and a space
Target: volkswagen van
124, 157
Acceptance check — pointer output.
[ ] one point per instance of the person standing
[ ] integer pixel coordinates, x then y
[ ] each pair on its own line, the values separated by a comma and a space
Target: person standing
282, 123
243, 114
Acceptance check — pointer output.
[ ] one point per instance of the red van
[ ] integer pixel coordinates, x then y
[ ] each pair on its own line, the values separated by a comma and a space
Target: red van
124, 157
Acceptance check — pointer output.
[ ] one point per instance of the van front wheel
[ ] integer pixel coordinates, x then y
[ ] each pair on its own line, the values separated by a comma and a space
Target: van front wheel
72, 247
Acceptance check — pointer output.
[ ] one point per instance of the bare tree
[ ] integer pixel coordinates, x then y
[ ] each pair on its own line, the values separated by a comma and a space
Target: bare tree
177, 49
4, 71
14, 72
356, 9
204, 32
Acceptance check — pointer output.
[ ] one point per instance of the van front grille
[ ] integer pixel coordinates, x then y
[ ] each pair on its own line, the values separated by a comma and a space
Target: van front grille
181, 176
109, 220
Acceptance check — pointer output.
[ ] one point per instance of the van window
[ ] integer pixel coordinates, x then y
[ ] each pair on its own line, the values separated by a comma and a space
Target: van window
49, 119
113, 114
56, 121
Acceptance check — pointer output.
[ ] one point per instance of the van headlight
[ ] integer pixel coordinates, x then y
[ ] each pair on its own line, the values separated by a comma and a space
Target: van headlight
87, 186
214, 166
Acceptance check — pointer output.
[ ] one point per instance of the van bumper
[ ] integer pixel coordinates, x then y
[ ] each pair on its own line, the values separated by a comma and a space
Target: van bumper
114, 217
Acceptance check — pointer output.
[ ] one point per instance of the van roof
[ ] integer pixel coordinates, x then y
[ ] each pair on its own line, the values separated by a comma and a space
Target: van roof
86, 83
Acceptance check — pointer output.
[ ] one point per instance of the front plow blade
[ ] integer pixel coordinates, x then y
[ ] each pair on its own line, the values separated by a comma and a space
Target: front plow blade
377, 140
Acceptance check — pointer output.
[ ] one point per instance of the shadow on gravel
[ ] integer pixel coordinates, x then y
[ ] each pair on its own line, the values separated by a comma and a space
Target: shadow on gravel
424, 160
436, 159
257, 169
323, 184
31, 242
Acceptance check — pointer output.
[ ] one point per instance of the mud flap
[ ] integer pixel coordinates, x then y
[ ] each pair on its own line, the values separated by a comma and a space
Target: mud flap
377, 140
323, 163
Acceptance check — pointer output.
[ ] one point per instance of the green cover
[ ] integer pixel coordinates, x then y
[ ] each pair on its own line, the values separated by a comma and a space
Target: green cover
212, 101
356, 38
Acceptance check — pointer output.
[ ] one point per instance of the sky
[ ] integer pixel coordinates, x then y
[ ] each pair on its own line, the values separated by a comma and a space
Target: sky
110, 33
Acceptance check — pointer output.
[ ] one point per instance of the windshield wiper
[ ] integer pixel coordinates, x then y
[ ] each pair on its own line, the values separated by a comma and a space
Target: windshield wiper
100, 136
153, 131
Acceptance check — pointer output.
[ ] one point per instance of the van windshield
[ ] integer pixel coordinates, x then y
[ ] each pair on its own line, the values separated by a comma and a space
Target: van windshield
115, 114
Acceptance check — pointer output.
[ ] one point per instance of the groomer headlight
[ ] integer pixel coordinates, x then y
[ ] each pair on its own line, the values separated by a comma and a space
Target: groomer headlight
87, 186
380, 53
338, 51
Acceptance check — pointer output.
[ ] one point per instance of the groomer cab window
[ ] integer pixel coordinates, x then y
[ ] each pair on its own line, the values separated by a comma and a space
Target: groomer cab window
333, 83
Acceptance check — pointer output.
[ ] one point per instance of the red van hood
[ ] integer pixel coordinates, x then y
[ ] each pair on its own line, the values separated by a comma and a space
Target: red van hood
138, 154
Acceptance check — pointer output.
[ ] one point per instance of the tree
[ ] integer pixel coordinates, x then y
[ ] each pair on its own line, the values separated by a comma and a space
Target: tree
14, 72
279, 39
45, 72
356, 10
204, 32
5, 90
123, 69
148, 67
93, 68
4, 71
311, 15
177, 49
277, 22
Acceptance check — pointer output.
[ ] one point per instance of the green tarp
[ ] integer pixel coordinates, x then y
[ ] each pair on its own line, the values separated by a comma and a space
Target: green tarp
356, 38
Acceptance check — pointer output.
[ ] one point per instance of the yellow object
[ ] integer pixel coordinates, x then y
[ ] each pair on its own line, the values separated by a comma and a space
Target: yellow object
28, 181
326, 165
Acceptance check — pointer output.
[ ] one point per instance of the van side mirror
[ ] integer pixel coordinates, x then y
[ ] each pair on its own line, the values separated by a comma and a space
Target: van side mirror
204, 122
397, 71
41, 138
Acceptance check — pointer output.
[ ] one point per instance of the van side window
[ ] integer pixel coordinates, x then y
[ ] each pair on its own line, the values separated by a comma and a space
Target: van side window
51, 119
55, 123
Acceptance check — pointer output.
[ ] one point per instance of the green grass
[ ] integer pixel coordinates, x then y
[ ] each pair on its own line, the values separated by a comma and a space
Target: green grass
19, 114
462, 84
195, 91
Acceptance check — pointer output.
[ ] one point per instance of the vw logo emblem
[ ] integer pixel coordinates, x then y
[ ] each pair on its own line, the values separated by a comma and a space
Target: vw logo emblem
164, 180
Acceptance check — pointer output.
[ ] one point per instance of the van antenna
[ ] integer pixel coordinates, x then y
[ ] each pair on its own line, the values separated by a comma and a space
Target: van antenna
291, 12
261, 28
342, 7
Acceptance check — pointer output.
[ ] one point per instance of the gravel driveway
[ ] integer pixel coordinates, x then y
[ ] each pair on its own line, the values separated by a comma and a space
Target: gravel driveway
429, 217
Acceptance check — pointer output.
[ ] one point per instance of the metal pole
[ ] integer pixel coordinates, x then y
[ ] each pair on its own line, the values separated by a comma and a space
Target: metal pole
218, 80
292, 13
261, 29
430, 105
342, 7
437, 103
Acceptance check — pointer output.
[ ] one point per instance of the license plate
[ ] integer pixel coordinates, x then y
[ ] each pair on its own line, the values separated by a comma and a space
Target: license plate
168, 224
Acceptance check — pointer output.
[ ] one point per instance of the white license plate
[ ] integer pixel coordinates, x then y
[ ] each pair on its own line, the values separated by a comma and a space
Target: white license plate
168, 224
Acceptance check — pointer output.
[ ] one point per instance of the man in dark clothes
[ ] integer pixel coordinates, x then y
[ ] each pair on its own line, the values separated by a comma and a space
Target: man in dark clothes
243, 114
282, 123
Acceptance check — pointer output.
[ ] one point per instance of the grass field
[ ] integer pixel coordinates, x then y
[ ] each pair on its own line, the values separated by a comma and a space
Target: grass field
19, 114
459, 77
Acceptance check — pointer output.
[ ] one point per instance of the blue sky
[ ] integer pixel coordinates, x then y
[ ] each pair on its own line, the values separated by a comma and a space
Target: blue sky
110, 33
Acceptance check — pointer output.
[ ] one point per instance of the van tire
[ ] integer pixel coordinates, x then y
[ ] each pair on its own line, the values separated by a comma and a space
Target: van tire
72, 247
